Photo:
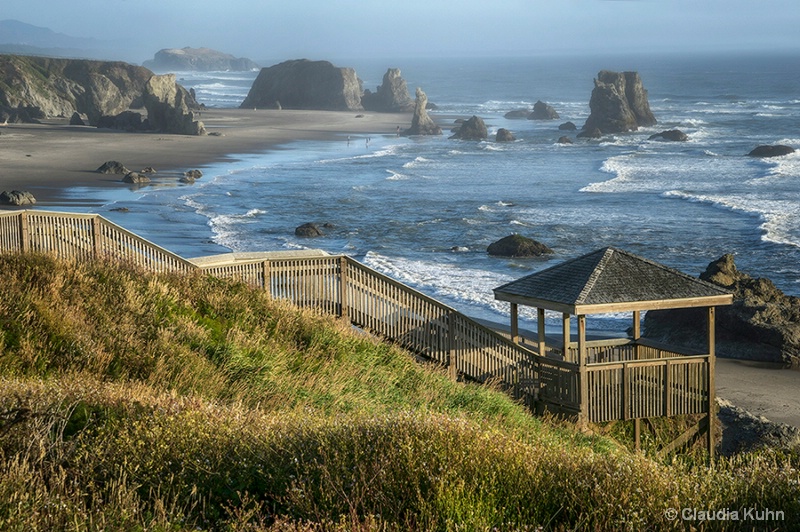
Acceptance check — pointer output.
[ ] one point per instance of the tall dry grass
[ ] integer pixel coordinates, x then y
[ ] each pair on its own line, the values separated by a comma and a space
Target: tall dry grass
130, 401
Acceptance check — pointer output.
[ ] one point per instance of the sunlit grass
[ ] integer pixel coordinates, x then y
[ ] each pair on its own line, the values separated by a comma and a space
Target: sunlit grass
134, 401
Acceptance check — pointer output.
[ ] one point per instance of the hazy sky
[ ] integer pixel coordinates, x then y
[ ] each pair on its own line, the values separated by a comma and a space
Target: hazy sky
330, 29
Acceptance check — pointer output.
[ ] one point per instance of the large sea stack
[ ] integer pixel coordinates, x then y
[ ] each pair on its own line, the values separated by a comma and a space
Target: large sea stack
197, 59
391, 97
618, 103
168, 105
304, 84
421, 123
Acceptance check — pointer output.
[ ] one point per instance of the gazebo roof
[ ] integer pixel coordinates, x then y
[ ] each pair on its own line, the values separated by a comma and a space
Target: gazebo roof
611, 280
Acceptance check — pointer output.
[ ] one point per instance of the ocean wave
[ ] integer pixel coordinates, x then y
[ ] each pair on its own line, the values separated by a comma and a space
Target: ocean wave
417, 161
617, 166
396, 176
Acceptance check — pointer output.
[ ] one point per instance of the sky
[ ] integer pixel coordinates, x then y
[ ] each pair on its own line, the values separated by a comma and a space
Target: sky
331, 29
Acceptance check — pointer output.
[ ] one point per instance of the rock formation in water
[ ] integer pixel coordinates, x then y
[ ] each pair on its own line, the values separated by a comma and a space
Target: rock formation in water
304, 84
618, 103
543, 111
421, 123
167, 105
197, 59
391, 97
762, 324
472, 129
517, 246
504, 135
673, 135
771, 151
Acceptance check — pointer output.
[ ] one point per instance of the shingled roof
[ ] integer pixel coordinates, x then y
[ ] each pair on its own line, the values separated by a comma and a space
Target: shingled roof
611, 280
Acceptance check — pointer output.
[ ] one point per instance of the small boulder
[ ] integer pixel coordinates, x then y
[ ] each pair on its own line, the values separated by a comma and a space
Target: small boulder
593, 133
79, 119
543, 111
472, 129
504, 135
564, 140
195, 174
674, 135
771, 151
148, 170
112, 167
567, 126
517, 246
17, 197
308, 230
135, 178
517, 114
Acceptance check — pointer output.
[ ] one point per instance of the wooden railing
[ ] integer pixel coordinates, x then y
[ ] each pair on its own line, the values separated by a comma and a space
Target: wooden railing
625, 379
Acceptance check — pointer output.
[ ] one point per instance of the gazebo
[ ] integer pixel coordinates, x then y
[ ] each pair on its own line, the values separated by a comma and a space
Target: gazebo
619, 378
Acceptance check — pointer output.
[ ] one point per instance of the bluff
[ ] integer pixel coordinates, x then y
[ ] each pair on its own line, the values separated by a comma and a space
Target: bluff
61, 87
197, 59
618, 103
391, 97
305, 84
762, 324
103, 91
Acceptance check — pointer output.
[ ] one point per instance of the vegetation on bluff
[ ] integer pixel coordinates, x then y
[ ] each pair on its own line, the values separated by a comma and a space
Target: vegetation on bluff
135, 401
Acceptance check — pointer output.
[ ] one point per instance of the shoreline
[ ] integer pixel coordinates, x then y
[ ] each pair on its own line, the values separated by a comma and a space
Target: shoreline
48, 158
53, 158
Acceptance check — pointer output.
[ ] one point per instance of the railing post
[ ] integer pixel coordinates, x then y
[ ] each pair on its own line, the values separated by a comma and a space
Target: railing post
514, 323
96, 234
626, 396
667, 389
344, 311
266, 284
712, 401
24, 237
584, 416
452, 353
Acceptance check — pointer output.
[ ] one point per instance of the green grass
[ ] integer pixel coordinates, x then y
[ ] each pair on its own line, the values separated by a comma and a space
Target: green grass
141, 402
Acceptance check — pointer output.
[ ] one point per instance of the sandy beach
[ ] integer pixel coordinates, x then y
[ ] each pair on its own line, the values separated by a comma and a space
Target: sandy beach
46, 158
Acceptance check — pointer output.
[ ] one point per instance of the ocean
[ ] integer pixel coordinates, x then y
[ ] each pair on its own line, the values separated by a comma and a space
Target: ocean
423, 210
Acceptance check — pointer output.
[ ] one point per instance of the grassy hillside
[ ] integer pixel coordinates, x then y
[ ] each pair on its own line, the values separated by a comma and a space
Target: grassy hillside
134, 401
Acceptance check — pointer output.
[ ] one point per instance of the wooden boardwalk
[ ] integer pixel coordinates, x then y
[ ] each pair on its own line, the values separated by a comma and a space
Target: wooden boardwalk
623, 379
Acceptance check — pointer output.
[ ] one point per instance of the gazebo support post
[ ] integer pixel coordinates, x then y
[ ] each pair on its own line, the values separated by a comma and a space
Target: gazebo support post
540, 329
712, 401
637, 332
515, 323
565, 336
583, 416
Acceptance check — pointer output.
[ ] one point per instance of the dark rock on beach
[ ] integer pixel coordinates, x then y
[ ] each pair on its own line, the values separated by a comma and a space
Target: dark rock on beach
771, 151
504, 135
421, 123
194, 174
169, 107
472, 129
135, 178
79, 119
391, 97
618, 103
112, 167
17, 197
517, 246
674, 135
762, 324
543, 111
304, 84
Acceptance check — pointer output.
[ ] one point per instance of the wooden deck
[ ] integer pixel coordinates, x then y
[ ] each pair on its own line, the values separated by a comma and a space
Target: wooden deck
621, 380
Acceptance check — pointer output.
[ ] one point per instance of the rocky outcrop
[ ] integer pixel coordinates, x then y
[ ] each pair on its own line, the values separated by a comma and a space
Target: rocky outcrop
504, 135
135, 178
17, 197
421, 123
197, 59
762, 324
565, 140
517, 246
517, 114
618, 103
543, 111
167, 105
472, 129
673, 135
771, 151
567, 126
304, 84
391, 97
112, 167
61, 87
79, 119
308, 230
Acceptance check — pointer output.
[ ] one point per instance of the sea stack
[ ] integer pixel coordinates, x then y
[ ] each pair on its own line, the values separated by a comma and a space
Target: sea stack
421, 123
618, 103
